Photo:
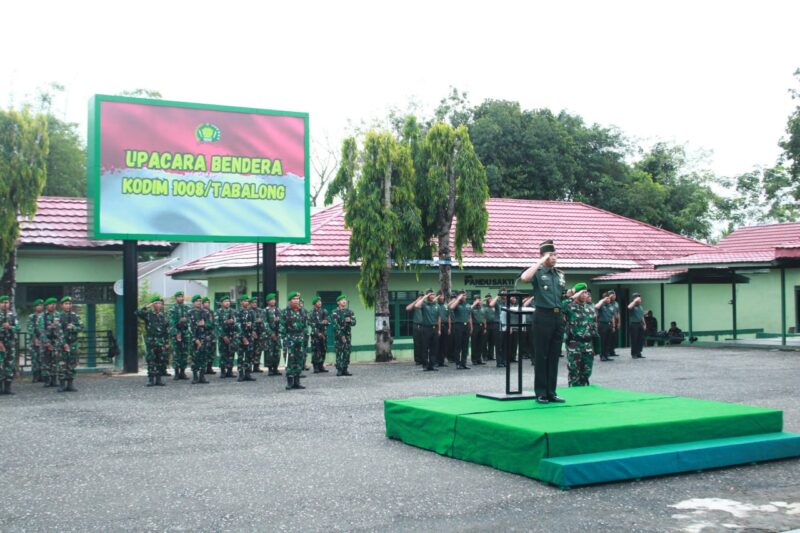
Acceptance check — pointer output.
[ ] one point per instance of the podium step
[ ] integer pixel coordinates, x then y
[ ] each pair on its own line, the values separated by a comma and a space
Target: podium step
634, 463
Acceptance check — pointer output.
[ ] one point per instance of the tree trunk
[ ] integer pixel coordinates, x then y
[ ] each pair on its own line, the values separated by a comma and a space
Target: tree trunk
445, 223
383, 336
8, 283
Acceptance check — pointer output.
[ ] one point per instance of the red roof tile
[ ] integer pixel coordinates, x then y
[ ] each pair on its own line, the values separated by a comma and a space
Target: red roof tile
640, 275
61, 222
586, 238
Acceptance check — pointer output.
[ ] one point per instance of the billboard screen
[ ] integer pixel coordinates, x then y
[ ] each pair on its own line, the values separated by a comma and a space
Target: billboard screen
176, 171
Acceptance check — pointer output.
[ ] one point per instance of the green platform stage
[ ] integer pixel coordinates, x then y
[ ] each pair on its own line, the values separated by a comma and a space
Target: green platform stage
599, 435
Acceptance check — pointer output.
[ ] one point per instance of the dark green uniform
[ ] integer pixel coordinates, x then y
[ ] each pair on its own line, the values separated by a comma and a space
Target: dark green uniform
201, 339
293, 330
179, 327
490, 338
342, 333
35, 346
581, 329
429, 334
319, 337
444, 337
636, 329
549, 287
227, 332
416, 322
478, 334
156, 339
68, 355
259, 329
605, 325
9, 327
51, 339
460, 333
272, 353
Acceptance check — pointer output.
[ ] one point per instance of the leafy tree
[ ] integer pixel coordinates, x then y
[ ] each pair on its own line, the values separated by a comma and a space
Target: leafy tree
791, 144
66, 161
23, 170
450, 182
377, 188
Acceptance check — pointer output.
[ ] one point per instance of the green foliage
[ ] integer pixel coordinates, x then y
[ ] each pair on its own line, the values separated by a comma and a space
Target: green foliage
791, 144
23, 169
142, 93
66, 161
378, 193
761, 196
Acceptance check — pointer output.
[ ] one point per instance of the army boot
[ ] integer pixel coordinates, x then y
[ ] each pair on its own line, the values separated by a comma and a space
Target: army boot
158, 380
203, 379
241, 376
247, 376
316, 368
277, 372
36, 377
230, 372
194, 377
183, 373
62, 385
322, 368
345, 372
339, 372
257, 370
176, 375
70, 388
51, 382
210, 369
297, 384
289, 382
7, 387
151, 380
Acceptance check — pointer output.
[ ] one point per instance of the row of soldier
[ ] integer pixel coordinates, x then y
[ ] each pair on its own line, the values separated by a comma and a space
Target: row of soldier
455, 328
53, 343
241, 335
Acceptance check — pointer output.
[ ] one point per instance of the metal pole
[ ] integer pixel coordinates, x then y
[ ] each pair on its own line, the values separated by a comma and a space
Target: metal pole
91, 335
689, 278
130, 295
733, 300
783, 306
259, 292
663, 318
269, 269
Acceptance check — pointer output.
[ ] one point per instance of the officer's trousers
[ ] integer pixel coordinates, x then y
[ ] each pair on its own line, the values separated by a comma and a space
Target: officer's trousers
548, 334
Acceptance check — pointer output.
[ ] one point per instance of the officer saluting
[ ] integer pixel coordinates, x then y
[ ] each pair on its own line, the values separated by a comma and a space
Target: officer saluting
549, 287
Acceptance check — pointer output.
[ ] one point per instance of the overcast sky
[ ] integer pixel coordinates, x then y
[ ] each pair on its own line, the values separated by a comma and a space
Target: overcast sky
714, 75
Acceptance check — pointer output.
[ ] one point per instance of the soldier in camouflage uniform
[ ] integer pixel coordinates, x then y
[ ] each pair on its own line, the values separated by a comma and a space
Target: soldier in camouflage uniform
68, 354
227, 332
34, 346
343, 320
211, 352
246, 347
199, 338
51, 340
9, 326
156, 338
319, 334
259, 330
581, 328
293, 329
179, 336
272, 350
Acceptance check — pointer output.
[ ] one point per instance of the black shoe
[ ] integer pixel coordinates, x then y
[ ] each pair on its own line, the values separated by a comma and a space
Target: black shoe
278, 372
316, 369
501, 365
7, 387
194, 377
441, 365
183, 373
322, 369
338, 373
229, 373
70, 388
289, 382
50, 382
159, 383
210, 370
248, 377
203, 379
606, 359
62, 385
241, 377
542, 399
557, 399
176, 375
479, 363
345, 372
297, 384
257, 370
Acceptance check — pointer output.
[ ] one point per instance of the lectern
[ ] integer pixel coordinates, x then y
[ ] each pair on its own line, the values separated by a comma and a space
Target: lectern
513, 318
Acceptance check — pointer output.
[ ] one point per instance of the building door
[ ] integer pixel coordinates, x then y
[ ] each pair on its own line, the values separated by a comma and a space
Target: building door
797, 309
329, 304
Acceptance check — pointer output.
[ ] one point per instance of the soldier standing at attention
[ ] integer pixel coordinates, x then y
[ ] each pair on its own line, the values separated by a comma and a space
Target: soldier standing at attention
179, 337
211, 348
227, 333
258, 334
477, 330
199, 337
416, 331
494, 305
68, 355
343, 321
461, 321
489, 337
34, 345
319, 335
430, 330
272, 355
9, 326
581, 319
606, 324
549, 287
636, 325
156, 338
293, 329
444, 336
51, 340
247, 342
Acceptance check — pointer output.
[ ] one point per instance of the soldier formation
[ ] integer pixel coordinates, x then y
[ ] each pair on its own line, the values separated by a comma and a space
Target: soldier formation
241, 335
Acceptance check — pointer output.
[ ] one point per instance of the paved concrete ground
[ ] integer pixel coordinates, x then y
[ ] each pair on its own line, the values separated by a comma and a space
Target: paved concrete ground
251, 456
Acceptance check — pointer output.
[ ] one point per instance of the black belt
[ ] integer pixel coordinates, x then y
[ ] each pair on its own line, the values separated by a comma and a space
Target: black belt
460, 323
549, 309
427, 326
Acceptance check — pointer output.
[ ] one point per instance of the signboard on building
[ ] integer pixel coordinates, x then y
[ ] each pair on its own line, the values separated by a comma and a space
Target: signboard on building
175, 171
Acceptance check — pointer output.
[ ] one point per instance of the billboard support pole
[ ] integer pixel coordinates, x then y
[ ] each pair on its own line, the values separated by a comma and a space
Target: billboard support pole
269, 269
130, 295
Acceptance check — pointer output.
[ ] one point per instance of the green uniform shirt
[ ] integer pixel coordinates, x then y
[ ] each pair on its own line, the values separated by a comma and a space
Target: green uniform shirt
417, 319
430, 313
461, 314
444, 312
477, 316
489, 314
636, 315
608, 311
548, 286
